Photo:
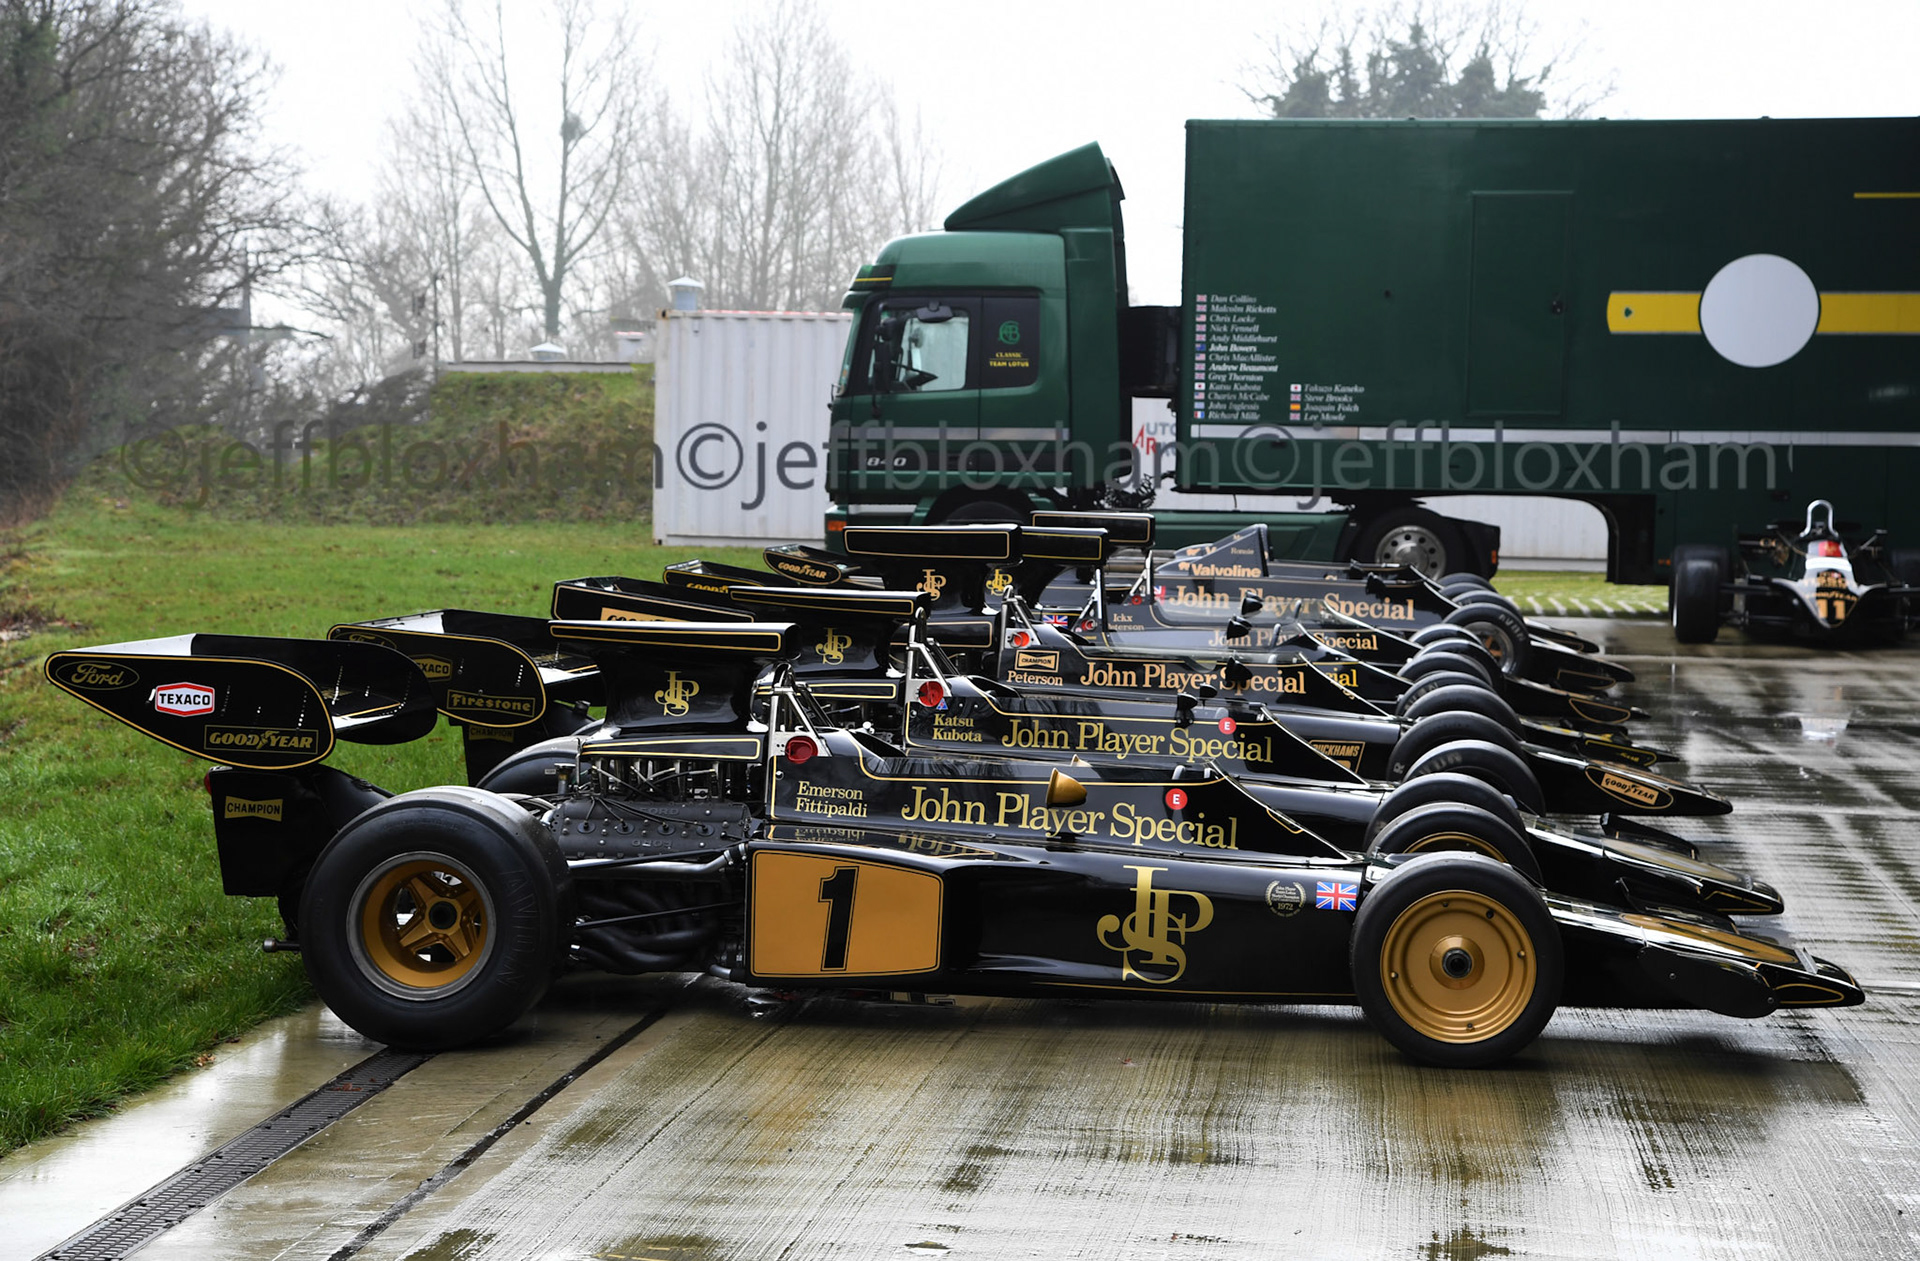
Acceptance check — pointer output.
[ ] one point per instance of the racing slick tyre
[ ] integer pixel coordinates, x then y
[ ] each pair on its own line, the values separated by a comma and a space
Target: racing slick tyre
1456, 960
1465, 646
1501, 631
1426, 663
1439, 632
1487, 597
1445, 788
1412, 536
1460, 698
1695, 600
1431, 732
1462, 578
1443, 678
1445, 827
435, 919
1497, 764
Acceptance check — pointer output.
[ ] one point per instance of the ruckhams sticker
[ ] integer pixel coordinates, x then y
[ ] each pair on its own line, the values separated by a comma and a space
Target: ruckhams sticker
183, 700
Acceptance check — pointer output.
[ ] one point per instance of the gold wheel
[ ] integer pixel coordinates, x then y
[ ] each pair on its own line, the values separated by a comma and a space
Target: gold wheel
1454, 841
1458, 966
420, 926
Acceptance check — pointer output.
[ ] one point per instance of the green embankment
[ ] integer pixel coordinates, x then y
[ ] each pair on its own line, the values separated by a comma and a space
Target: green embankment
120, 959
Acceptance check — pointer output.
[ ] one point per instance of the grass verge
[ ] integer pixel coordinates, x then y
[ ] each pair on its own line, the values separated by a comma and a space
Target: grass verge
121, 959
1568, 594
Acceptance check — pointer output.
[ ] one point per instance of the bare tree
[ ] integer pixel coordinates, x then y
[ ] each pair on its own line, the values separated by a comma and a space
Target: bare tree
138, 211
551, 200
1429, 59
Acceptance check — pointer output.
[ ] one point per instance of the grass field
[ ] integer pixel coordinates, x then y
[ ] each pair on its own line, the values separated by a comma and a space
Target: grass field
122, 960
1568, 594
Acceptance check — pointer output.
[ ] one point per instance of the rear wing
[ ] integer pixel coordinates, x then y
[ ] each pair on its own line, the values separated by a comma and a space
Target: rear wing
1124, 529
679, 675
810, 566
615, 599
715, 577
491, 669
252, 701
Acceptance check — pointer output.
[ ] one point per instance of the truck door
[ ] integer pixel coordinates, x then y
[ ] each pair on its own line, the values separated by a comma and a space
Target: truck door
913, 389
1516, 326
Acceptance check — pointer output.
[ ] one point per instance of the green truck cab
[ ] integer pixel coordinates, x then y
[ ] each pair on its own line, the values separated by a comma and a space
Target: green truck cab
1693, 326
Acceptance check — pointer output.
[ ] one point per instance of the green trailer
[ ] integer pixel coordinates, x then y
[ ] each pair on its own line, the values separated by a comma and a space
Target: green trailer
1694, 326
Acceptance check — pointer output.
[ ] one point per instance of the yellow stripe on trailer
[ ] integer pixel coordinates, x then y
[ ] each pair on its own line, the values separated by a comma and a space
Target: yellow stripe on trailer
1653, 312
1869, 313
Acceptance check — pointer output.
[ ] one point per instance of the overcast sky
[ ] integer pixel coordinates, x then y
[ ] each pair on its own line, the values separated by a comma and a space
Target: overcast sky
1003, 85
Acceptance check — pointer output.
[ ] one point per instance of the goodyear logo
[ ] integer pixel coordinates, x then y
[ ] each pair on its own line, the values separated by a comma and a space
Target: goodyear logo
96, 676
805, 570
261, 739
627, 615
241, 808
435, 667
1629, 790
522, 705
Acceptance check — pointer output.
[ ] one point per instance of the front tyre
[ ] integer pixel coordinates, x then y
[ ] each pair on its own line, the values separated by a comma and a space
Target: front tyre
434, 919
1456, 960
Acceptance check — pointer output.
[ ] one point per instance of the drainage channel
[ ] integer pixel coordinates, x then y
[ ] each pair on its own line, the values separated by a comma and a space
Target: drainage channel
168, 1203
165, 1205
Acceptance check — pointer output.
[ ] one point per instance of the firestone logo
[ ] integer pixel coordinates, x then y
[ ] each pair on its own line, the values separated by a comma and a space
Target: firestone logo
183, 700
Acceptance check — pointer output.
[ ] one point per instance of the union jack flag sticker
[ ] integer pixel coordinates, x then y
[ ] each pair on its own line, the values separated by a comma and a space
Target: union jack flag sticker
1335, 895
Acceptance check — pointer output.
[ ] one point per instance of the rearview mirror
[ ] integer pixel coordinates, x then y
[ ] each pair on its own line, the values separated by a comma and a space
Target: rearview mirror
1251, 604
1239, 628
1064, 790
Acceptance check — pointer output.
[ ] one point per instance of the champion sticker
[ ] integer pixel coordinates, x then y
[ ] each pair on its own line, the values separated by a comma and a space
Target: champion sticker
1176, 799
183, 700
1228, 726
1335, 895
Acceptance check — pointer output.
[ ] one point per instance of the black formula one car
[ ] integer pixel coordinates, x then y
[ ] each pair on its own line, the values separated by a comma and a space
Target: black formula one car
719, 822
1821, 580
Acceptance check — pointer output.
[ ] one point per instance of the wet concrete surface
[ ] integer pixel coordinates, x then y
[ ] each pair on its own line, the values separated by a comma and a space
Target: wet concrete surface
732, 1129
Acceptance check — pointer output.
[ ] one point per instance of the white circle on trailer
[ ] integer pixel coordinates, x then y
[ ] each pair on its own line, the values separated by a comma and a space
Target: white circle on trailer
1759, 310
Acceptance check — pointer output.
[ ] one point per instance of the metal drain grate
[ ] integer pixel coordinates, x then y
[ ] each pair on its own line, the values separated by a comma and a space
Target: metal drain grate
171, 1202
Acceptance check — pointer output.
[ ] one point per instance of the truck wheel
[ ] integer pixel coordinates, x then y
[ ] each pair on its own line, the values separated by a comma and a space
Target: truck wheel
1501, 631
1458, 698
1411, 536
1695, 600
1449, 827
1436, 662
1434, 730
1449, 789
434, 919
1456, 960
1499, 766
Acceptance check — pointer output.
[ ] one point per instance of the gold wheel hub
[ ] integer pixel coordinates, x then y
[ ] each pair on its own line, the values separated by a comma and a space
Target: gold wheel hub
1455, 841
1458, 966
420, 926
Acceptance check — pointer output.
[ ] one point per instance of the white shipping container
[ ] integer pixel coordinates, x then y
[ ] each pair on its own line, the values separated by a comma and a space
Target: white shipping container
740, 425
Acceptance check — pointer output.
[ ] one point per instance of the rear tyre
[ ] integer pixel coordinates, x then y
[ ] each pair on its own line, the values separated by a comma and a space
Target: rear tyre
1439, 632
1444, 662
1501, 631
1695, 600
1444, 788
1456, 960
1435, 730
1469, 647
1487, 597
1482, 759
1434, 682
1446, 827
1464, 579
1461, 699
434, 919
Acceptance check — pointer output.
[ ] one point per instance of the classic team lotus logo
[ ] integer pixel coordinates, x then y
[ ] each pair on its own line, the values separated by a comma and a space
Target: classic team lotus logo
932, 583
833, 649
1153, 939
673, 699
96, 676
183, 700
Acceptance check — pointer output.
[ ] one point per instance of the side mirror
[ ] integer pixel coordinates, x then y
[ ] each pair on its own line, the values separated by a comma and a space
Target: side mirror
1239, 628
1206, 691
1064, 790
1184, 704
1251, 604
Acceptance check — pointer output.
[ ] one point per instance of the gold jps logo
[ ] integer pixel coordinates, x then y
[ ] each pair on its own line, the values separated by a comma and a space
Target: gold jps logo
833, 649
673, 698
1153, 937
999, 582
932, 583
